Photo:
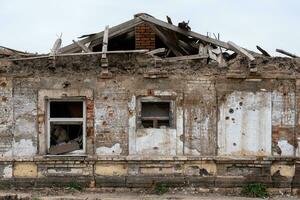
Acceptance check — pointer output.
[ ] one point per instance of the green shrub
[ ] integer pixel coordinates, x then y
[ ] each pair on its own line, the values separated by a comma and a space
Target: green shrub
74, 186
255, 190
160, 188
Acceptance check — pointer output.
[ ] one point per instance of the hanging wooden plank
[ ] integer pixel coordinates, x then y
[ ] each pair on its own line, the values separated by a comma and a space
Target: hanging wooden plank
240, 50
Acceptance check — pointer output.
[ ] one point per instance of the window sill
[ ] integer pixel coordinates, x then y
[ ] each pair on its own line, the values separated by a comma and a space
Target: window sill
66, 155
167, 128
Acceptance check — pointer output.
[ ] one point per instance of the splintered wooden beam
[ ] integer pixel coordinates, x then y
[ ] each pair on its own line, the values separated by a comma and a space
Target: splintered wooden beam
265, 53
104, 46
240, 50
286, 53
166, 40
184, 32
56, 46
82, 46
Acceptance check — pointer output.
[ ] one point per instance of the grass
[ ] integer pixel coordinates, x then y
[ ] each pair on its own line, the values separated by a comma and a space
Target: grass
74, 185
160, 188
255, 190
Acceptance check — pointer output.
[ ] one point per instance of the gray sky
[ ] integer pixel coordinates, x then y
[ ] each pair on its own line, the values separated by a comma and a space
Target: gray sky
33, 25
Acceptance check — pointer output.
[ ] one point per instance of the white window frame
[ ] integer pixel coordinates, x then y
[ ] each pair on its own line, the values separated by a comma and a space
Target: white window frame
172, 116
83, 120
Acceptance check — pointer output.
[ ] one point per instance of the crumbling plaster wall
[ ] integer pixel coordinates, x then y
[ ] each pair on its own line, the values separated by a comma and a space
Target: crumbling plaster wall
202, 95
257, 117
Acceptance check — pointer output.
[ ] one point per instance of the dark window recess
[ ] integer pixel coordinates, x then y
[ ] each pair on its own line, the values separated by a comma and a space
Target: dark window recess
155, 114
66, 109
65, 137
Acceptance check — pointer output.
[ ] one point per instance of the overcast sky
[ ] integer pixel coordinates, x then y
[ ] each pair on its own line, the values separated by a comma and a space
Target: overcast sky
33, 25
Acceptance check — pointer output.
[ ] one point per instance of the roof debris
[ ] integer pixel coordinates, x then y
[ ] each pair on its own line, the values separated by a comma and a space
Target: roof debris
172, 43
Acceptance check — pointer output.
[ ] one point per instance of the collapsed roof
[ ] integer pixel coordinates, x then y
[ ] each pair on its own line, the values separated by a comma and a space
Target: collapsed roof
170, 42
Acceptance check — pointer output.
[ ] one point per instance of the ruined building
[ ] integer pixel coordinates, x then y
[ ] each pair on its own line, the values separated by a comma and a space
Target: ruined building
148, 101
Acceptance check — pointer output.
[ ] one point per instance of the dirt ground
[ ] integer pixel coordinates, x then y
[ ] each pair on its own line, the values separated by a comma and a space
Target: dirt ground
50, 194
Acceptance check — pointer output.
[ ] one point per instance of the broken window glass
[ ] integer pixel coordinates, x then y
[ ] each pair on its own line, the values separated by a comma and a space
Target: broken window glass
66, 126
155, 114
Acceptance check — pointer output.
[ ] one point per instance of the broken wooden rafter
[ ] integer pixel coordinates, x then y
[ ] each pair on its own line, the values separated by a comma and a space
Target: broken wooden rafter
264, 52
166, 40
286, 53
82, 46
184, 32
114, 31
240, 50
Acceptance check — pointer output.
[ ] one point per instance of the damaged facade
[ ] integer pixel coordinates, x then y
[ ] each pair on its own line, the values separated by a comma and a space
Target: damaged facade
146, 102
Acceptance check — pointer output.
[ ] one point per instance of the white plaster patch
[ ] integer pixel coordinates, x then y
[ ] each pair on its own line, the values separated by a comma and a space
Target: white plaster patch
153, 141
191, 151
7, 172
132, 125
298, 148
24, 148
114, 150
245, 126
286, 148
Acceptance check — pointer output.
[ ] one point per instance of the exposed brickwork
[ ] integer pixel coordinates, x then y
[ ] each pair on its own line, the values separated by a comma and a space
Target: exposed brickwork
144, 37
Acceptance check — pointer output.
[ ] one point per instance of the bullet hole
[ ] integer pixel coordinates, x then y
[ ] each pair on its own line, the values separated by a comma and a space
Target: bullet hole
155, 148
241, 103
51, 68
243, 134
231, 110
113, 151
253, 110
236, 108
66, 84
195, 118
3, 84
104, 123
234, 144
105, 98
227, 118
284, 94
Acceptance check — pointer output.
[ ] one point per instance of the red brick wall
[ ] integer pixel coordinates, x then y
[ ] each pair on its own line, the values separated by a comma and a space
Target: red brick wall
144, 37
